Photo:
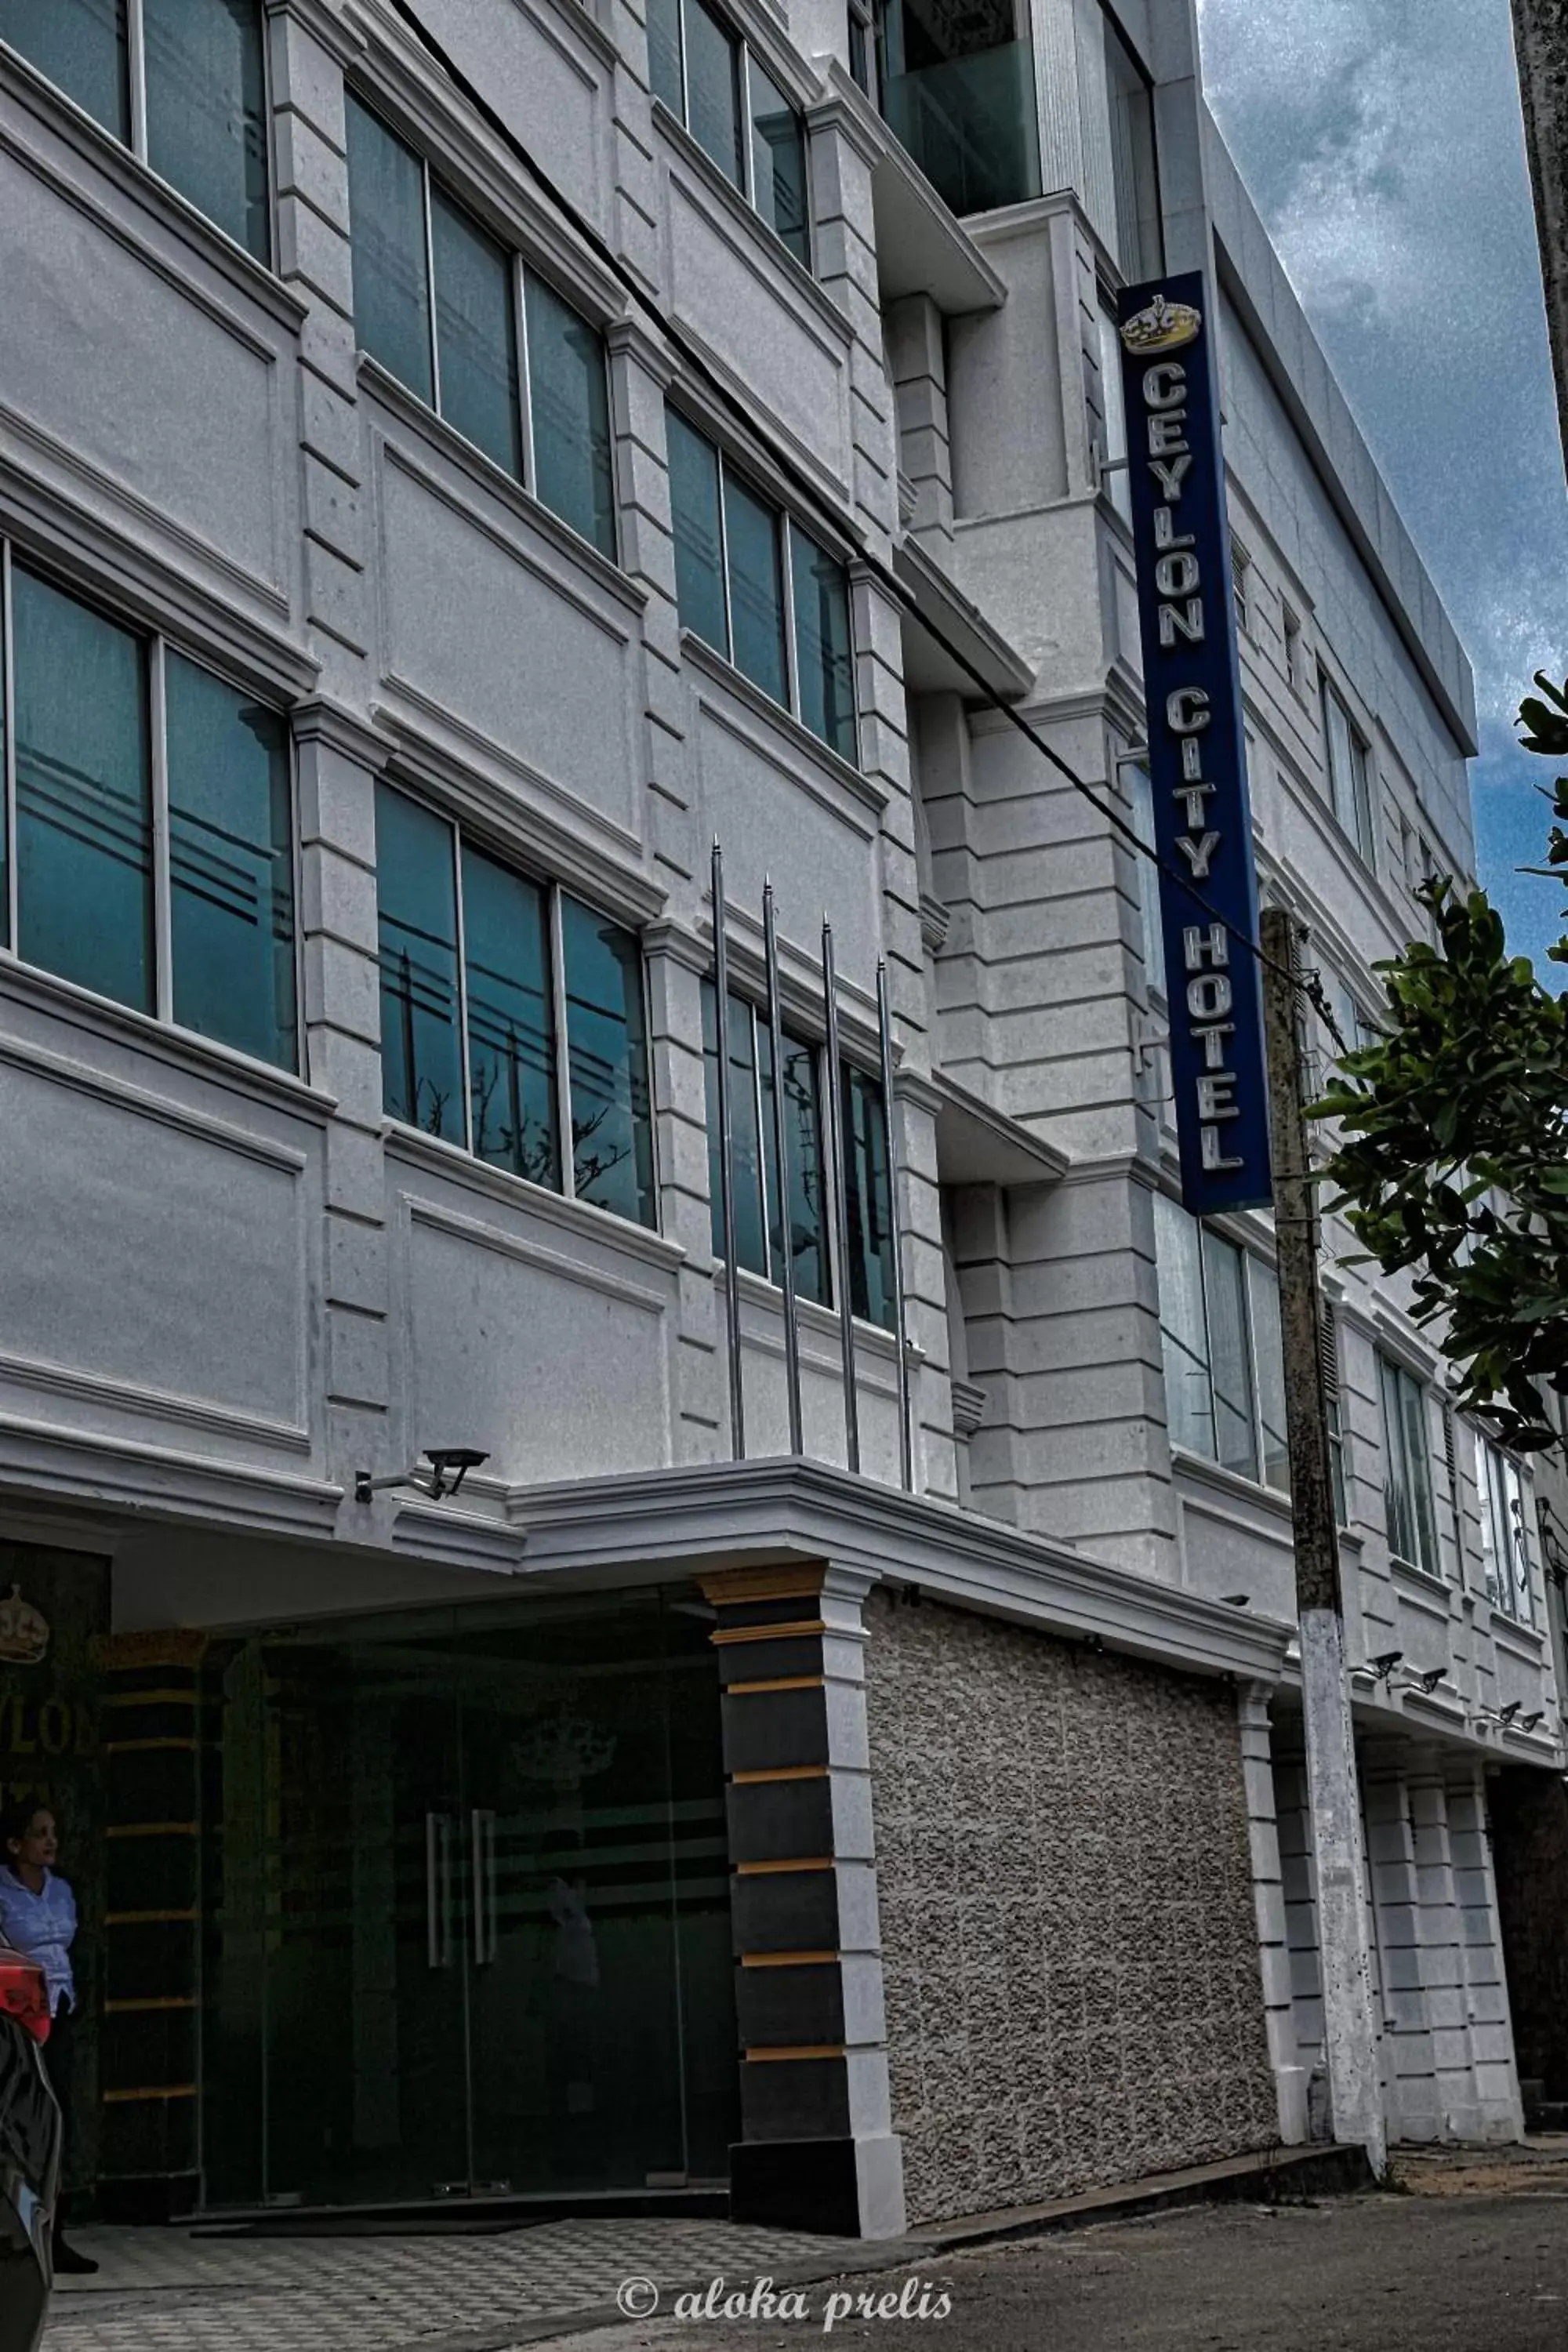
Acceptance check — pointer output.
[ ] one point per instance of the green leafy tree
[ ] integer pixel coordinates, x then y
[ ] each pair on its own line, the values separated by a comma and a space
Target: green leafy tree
1451, 1160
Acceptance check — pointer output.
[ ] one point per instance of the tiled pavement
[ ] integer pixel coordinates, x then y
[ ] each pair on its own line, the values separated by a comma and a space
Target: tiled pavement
166, 2291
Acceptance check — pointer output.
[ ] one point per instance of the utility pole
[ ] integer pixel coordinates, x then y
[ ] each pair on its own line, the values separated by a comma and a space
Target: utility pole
1349, 2040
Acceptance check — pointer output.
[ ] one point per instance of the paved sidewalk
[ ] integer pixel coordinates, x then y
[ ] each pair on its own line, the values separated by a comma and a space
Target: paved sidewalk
166, 2291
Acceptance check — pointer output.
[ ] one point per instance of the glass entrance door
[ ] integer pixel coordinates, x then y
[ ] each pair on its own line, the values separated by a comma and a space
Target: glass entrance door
468, 1912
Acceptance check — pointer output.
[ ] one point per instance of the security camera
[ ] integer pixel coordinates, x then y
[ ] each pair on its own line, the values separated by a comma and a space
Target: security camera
449, 1466
1429, 1680
1383, 1665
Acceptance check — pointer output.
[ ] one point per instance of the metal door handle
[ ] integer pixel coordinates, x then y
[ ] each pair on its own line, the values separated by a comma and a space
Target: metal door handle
439, 1890
482, 1829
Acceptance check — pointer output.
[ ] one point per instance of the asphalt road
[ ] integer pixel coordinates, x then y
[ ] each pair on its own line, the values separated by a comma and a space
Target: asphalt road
1400, 2274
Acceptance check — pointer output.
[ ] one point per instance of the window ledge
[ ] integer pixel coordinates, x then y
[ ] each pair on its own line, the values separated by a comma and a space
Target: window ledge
1511, 1633
1425, 1579
179, 1049
712, 664
870, 1338
578, 1217
1230, 1482
496, 482
141, 185
746, 217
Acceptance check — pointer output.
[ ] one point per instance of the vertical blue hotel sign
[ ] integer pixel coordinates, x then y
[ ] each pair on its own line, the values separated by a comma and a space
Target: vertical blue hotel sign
1198, 760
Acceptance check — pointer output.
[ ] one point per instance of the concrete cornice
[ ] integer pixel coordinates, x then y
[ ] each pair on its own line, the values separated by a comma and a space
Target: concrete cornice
324, 721
45, 1463
736, 1515
343, 42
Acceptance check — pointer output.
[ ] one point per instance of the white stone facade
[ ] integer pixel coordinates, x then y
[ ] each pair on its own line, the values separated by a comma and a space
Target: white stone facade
232, 1287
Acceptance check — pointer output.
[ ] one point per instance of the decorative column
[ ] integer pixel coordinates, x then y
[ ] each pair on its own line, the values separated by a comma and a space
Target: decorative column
1499, 2114
308, 46
817, 2150
149, 2067
1290, 2073
1402, 1923
338, 761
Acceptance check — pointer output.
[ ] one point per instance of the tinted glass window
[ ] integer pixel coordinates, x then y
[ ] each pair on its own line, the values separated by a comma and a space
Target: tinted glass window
745, 1154
714, 117
386, 194
804, 1202
778, 162
81, 45
571, 405
699, 541
756, 598
868, 1199
84, 803
663, 53
612, 1137
421, 1063
475, 332
207, 111
511, 1021
231, 875
824, 660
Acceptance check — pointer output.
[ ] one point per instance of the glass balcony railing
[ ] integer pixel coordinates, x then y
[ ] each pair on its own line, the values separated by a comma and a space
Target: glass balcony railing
970, 125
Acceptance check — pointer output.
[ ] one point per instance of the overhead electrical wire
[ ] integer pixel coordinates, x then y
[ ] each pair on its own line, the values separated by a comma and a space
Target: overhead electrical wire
826, 516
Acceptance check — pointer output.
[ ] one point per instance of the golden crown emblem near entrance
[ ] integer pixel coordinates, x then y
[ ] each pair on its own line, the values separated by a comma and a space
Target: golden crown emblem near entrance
563, 1749
24, 1631
1161, 327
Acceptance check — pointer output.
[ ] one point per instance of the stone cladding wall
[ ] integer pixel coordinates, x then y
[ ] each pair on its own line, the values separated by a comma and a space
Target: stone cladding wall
1069, 1935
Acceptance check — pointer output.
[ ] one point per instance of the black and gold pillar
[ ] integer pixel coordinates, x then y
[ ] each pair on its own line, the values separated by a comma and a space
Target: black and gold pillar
150, 2034
818, 2150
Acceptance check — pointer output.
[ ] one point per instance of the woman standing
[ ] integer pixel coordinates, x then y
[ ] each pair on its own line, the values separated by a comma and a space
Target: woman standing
37, 1917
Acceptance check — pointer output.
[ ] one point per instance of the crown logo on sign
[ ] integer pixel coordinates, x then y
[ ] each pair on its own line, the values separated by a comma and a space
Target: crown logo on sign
565, 1750
24, 1631
1162, 327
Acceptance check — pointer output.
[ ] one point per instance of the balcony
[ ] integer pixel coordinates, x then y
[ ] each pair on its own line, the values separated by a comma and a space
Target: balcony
969, 123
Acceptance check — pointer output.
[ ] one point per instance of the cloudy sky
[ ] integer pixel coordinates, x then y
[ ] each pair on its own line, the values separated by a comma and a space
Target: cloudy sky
1382, 142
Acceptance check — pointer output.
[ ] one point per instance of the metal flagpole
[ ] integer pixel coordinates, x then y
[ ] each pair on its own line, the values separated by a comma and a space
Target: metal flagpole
836, 1160
781, 1130
726, 1158
885, 1026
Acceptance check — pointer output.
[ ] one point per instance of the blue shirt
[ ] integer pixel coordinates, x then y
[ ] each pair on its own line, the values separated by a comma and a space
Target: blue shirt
42, 1925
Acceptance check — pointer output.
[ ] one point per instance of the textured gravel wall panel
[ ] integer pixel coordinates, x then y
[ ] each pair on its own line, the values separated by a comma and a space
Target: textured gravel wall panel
1069, 1943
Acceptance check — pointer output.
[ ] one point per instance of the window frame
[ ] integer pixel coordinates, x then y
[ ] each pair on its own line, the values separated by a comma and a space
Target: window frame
1134, 767
555, 891
1397, 1377
1360, 785
1255, 1268
1499, 1490
1293, 648
786, 529
134, 144
520, 268
156, 644
745, 187
832, 1176
1241, 588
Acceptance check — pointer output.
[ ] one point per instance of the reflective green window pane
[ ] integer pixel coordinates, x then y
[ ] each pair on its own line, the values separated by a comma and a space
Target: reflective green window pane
511, 1021
570, 403
778, 162
612, 1132
207, 111
392, 295
475, 332
825, 661
868, 1199
803, 1162
663, 54
713, 56
1268, 1346
756, 598
421, 1058
745, 1158
231, 866
82, 45
1229, 1367
84, 803
1189, 1400
698, 538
